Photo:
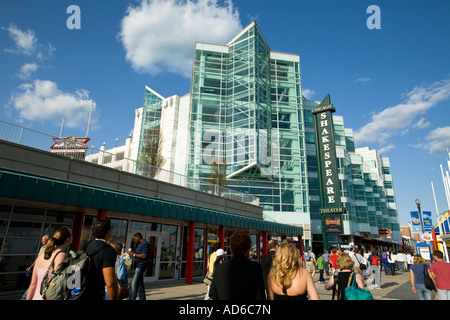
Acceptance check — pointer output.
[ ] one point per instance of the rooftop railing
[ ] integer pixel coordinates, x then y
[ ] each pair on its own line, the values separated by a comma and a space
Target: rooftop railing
77, 148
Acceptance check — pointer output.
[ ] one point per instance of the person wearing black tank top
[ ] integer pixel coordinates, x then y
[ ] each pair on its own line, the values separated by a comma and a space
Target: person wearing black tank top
340, 280
288, 280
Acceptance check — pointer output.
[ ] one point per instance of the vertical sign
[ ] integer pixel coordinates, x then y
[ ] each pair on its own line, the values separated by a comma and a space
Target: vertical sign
427, 223
415, 221
330, 199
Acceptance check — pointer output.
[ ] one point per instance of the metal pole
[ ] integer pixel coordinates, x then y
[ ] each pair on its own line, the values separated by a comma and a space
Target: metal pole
439, 224
446, 188
420, 215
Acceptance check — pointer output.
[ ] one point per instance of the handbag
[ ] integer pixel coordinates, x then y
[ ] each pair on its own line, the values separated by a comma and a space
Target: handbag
208, 278
429, 284
352, 292
123, 292
362, 266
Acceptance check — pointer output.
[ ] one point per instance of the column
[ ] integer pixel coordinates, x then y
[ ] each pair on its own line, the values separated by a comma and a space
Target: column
300, 244
101, 214
77, 229
190, 253
264, 243
222, 236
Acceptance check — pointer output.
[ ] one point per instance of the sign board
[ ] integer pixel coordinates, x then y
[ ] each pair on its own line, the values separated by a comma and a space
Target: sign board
333, 223
424, 250
427, 224
384, 232
330, 199
415, 221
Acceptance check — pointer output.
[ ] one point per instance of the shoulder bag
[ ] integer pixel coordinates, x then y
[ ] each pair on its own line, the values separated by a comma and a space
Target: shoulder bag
429, 284
353, 292
362, 266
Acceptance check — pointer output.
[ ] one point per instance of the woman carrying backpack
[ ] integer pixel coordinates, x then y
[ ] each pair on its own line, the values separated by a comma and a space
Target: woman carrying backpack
61, 239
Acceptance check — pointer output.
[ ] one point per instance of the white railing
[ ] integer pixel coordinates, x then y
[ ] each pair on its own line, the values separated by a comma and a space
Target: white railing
74, 149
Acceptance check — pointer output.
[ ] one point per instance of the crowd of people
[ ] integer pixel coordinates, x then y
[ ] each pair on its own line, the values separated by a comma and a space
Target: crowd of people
283, 274
288, 275
108, 273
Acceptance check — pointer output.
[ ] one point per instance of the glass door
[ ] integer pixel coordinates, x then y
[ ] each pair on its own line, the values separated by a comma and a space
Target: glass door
154, 256
154, 253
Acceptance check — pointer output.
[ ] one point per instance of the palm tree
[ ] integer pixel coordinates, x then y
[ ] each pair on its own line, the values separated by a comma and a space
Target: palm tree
151, 160
218, 176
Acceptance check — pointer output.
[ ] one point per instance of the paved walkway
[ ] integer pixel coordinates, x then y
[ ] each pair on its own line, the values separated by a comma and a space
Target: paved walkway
397, 287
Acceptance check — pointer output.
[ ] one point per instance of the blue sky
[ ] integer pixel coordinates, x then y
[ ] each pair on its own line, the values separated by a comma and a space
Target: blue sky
391, 85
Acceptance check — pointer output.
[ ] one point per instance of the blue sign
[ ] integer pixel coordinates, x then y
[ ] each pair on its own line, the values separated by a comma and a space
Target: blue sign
427, 224
415, 221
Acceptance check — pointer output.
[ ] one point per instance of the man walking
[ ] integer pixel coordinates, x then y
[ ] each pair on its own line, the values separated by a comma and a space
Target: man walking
140, 263
266, 263
374, 260
326, 257
440, 273
311, 262
103, 268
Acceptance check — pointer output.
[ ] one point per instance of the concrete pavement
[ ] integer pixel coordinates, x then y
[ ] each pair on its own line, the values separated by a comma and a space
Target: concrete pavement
397, 287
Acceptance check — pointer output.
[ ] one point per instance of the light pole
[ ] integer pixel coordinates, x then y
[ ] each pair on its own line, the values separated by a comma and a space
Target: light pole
420, 214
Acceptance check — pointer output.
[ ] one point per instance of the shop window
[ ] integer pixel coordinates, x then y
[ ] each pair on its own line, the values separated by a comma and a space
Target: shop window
23, 213
119, 232
59, 216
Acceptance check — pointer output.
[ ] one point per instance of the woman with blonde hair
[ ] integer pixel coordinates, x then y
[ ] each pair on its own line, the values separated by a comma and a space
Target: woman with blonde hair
343, 277
288, 280
61, 239
417, 278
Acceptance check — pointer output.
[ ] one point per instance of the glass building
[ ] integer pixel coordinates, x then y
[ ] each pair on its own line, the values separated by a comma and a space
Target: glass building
247, 116
245, 126
366, 188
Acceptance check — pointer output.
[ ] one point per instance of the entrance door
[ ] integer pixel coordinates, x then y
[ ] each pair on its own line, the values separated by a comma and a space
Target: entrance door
153, 256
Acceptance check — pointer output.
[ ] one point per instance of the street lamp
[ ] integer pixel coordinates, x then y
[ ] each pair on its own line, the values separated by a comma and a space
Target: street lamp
420, 214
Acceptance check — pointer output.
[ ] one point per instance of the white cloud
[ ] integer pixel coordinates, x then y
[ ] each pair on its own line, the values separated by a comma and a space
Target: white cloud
438, 141
25, 41
308, 93
386, 149
26, 70
160, 35
43, 101
421, 124
363, 80
394, 119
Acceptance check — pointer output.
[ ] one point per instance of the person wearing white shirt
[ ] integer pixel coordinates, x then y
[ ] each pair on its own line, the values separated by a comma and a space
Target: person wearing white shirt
409, 259
392, 258
401, 260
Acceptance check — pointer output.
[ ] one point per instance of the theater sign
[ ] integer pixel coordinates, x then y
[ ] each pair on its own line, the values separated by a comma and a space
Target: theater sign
330, 199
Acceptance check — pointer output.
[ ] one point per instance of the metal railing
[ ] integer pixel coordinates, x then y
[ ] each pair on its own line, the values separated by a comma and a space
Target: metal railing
76, 148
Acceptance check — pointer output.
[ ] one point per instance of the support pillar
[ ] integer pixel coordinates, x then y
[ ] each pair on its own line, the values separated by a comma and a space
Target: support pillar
190, 253
101, 214
205, 251
222, 236
300, 245
264, 243
77, 229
